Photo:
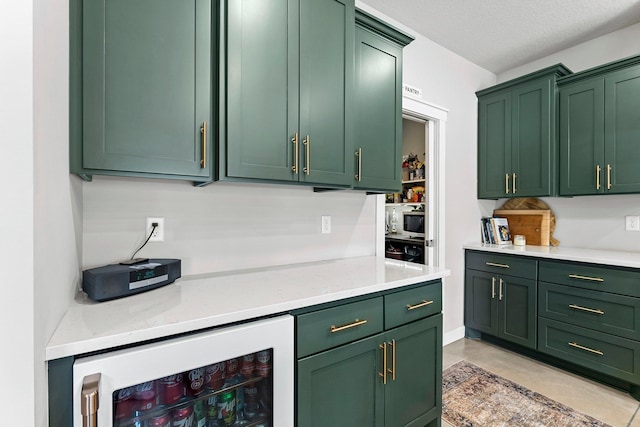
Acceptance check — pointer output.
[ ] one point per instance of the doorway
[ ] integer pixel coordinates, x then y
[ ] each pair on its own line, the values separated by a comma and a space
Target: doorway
424, 128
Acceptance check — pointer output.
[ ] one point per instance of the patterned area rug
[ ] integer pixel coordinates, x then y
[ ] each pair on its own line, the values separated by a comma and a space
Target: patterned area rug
473, 397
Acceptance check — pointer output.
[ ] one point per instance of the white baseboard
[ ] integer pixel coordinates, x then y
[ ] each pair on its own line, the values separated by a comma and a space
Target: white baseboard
451, 336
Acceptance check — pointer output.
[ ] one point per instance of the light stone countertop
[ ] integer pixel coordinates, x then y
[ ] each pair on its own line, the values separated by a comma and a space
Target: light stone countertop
594, 256
204, 301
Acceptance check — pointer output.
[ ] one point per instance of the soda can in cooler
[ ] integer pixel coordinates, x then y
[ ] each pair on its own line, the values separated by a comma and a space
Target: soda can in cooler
160, 420
182, 417
214, 376
195, 381
231, 367
263, 363
171, 389
146, 396
248, 365
199, 413
227, 408
124, 403
212, 406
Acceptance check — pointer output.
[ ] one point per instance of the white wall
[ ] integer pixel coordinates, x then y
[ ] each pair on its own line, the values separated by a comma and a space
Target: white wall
450, 81
16, 212
592, 221
57, 195
224, 226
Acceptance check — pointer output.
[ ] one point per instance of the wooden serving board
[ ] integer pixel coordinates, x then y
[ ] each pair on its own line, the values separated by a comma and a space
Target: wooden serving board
533, 203
532, 224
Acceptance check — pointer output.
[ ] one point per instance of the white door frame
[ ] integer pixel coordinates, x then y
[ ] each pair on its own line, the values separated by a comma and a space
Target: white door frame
437, 118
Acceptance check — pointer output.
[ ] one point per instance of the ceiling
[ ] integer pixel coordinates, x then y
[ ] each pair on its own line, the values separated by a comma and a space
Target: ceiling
502, 34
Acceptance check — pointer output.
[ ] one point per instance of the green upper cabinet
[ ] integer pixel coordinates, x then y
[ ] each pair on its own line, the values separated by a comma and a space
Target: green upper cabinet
517, 136
141, 88
600, 130
378, 104
286, 109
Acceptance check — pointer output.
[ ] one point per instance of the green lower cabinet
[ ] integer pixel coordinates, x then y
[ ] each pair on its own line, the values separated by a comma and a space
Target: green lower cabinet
605, 353
345, 386
503, 306
141, 88
341, 387
480, 306
413, 393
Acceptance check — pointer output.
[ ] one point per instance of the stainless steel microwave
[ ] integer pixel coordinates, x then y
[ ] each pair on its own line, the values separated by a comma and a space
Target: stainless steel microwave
413, 222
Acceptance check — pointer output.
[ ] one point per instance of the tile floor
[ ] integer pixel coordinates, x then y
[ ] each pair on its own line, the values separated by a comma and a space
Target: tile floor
607, 404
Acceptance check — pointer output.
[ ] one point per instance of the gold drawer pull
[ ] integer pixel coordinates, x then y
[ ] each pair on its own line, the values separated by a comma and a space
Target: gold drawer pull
593, 279
424, 303
590, 350
493, 264
590, 310
392, 371
355, 323
383, 374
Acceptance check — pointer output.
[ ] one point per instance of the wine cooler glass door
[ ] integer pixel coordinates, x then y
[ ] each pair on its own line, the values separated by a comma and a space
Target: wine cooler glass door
239, 375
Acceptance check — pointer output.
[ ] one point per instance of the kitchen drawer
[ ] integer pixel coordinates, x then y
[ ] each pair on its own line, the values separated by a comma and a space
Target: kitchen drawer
518, 266
592, 276
610, 355
602, 311
413, 304
331, 327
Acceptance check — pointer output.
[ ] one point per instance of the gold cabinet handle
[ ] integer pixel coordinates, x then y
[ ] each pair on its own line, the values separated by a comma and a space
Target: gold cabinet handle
203, 131
591, 279
608, 177
514, 183
307, 150
383, 374
424, 303
296, 153
392, 371
359, 156
353, 324
90, 400
598, 169
590, 350
494, 264
500, 291
589, 310
506, 183
493, 288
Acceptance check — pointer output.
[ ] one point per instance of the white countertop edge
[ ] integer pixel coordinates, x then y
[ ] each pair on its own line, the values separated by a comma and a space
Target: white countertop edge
593, 256
63, 345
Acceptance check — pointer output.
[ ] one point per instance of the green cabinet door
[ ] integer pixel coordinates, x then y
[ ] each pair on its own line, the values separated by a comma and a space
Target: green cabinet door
582, 166
341, 387
622, 130
146, 89
532, 154
326, 91
261, 89
287, 91
377, 112
415, 352
517, 306
481, 303
502, 306
517, 139
494, 145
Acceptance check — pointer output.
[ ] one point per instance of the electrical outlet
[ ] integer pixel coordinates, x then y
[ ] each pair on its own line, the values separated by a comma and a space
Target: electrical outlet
158, 233
632, 223
326, 224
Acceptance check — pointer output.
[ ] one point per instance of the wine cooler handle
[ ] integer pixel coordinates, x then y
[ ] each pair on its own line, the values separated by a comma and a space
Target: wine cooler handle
90, 400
